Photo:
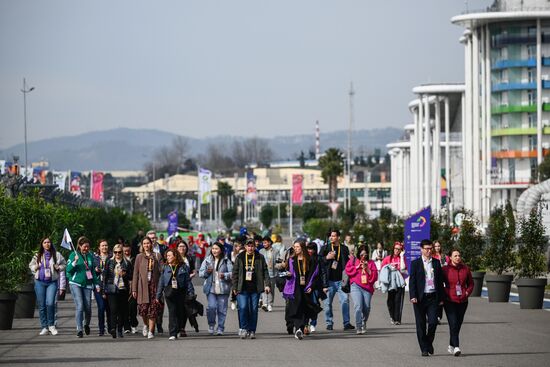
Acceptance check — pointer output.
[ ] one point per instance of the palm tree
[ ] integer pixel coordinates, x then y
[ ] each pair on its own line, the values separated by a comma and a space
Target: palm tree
332, 166
225, 191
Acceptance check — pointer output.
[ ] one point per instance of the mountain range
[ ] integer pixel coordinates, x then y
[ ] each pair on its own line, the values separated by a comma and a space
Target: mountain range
130, 149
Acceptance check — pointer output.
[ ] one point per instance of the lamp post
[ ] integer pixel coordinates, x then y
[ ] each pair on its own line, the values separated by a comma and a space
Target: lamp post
25, 91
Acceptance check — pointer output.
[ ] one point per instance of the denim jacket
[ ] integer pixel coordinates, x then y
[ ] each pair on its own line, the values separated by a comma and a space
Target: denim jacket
182, 277
226, 268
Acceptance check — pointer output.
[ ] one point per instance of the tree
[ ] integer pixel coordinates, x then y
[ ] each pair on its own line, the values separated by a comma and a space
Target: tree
531, 246
544, 169
499, 256
470, 244
169, 160
216, 159
228, 216
251, 150
314, 210
266, 215
225, 191
332, 166
302, 159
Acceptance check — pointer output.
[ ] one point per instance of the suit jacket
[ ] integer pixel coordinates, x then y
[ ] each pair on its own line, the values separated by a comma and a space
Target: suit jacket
417, 280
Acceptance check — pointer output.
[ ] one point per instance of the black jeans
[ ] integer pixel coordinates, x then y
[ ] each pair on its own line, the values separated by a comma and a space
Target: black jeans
118, 304
395, 303
455, 316
131, 320
175, 312
426, 310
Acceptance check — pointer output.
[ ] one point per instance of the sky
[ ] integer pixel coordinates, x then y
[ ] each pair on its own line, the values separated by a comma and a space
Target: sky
204, 68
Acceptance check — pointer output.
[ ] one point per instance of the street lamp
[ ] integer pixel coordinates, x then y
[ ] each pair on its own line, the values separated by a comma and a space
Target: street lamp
25, 91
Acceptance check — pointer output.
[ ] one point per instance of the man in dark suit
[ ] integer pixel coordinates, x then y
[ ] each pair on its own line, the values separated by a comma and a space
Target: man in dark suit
426, 293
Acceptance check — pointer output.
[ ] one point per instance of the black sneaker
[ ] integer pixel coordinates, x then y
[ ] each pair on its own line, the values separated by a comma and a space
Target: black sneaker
330, 328
120, 334
160, 330
349, 327
87, 329
113, 333
79, 334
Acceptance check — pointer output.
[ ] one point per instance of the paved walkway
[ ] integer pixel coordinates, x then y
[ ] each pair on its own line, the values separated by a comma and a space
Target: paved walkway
492, 335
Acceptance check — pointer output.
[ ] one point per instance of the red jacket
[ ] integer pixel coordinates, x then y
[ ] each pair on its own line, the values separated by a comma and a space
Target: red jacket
453, 275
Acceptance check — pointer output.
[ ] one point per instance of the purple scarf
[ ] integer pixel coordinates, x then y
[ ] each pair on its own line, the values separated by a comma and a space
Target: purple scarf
46, 256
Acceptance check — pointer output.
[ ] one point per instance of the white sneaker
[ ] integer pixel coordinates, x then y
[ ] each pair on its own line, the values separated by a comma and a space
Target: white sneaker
172, 338
311, 328
457, 351
145, 330
150, 335
52, 330
269, 308
451, 349
243, 334
252, 335
133, 330
233, 306
43, 332
211, 330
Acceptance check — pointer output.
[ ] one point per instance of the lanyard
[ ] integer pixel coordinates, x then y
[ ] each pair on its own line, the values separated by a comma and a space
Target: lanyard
299, 268
85, 260
332, 247
150, 265
246, 260
173, 270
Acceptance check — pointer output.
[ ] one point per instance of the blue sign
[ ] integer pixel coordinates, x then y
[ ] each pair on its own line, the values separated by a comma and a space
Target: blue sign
172, 222
417, 228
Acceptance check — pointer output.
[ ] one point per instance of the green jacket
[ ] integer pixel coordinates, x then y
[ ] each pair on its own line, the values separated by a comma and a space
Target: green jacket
77, 273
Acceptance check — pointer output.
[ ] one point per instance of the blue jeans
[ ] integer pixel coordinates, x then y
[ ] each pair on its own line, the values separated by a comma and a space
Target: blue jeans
248, 310
83, 301
46, 293
333, 288
361, 304
217, 305
102, 309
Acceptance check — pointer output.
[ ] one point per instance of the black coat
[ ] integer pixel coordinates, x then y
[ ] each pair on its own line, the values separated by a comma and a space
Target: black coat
417, 280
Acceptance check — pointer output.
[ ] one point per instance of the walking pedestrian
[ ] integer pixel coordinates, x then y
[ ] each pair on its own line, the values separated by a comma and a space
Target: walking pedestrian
174, 282
426, 292
100, 259
132, 321
46, 266
459, 284
116, 285
439, 255
320, 283
144, 286
249, 279
397, 271
335, 257
273, 258
82, 280
298, 290
183, 251
362, 275
216, 270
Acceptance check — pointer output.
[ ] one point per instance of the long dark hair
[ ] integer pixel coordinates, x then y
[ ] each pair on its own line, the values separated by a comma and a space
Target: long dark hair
305, 254
41, 250
222, 250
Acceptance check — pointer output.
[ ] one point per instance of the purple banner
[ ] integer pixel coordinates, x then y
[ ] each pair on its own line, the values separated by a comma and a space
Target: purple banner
417, 228
172, 222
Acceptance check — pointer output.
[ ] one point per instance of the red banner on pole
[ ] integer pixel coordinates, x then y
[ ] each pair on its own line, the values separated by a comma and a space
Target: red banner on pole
97, 186
297, 189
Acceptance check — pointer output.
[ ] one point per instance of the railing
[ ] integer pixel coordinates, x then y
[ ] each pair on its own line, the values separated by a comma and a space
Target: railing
503, 8
505, 63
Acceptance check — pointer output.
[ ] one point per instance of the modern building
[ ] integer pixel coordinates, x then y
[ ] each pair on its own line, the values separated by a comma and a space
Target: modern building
505, 106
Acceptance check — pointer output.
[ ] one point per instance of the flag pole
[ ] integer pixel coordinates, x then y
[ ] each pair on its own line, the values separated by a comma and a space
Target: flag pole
199, 199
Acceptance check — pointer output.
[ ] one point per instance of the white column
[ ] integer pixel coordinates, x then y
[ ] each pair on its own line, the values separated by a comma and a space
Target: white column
401, 181
539, 95
488, 160
475, 124
447, 153
393, 182
407, 181
427, 155
482, 123
437, 158
466, 130
411, 179
419, 157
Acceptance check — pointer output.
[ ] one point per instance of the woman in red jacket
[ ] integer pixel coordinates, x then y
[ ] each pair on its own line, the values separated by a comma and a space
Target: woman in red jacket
458, 287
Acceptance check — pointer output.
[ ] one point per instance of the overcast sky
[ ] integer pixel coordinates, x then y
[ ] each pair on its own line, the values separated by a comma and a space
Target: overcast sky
227, 67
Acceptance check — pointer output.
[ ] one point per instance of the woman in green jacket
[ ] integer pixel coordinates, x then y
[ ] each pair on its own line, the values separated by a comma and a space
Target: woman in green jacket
82, 280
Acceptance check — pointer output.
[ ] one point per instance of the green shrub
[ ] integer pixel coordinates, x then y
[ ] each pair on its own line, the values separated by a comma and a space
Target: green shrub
531, 246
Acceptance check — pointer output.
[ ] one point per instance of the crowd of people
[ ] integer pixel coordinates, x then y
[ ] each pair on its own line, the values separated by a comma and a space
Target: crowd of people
244, 273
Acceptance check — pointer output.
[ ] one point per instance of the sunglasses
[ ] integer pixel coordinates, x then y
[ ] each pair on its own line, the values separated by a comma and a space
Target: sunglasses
117, 252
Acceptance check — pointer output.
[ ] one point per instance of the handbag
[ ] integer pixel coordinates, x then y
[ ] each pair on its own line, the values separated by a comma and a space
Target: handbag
345, 282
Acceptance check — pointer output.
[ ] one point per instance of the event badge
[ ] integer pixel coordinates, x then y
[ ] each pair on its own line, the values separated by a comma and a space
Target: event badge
364, 278
248, 276
302, 280
89, 275
47, 273
335, 264
430, 282
174, 283
149, 276
458, 289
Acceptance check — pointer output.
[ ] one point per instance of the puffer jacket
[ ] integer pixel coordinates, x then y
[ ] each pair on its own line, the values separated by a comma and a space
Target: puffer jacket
225, 267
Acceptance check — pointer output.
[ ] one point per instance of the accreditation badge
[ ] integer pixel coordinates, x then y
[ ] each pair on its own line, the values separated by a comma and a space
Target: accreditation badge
363, 278
149, 274
174, 283
47, 273
302, 280
89, 275
334, 265
458, 289
248, 276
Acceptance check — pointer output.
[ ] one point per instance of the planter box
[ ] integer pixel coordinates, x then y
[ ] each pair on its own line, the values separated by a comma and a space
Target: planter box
478, 283
7, 308
498, 287
26, 302
531, 293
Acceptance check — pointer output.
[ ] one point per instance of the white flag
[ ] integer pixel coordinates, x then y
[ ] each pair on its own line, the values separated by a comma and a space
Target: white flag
205, 177
2, 167
59, 179
67, 242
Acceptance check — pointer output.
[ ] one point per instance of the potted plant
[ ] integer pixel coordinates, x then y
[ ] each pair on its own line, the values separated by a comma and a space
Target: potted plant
499, 256
471, 244
530, 261
11, 268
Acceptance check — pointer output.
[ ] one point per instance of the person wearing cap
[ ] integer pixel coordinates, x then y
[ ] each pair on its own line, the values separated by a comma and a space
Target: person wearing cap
250, 278
200, 249
396, 262
273, 259
258, 242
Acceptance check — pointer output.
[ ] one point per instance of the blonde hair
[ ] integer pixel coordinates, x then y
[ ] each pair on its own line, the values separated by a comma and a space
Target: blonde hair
118, 246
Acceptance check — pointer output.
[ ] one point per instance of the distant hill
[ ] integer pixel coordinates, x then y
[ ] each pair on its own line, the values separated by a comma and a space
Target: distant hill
129, 149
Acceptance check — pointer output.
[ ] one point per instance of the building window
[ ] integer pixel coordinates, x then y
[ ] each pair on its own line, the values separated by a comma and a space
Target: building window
512, 170
531, 51
531, 74
532, 97
532, 118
